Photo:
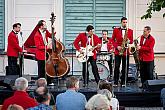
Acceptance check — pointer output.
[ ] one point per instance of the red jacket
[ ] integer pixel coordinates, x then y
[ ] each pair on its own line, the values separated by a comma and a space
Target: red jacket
40, 46
20, 98
81, 41
146, 53
118, 39
13, 47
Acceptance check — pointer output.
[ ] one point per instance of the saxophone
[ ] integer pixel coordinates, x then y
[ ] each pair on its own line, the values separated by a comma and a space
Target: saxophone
124, 43
135, 53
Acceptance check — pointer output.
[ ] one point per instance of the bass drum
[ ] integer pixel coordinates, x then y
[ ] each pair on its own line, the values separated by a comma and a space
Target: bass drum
102, 69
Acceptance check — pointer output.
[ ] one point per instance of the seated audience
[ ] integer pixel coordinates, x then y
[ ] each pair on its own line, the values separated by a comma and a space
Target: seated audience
100, 101
41, 82
43, 98
20, 96
14, 107
114, 101
162, 97
71, 99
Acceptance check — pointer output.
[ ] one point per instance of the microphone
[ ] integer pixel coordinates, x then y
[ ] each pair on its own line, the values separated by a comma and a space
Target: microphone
21, 34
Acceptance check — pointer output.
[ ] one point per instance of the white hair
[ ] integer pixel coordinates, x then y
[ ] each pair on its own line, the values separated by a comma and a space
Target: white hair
21, 84
105, 92
41, 82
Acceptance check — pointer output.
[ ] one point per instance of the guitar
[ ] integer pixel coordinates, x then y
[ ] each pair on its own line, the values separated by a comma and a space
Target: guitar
86, 52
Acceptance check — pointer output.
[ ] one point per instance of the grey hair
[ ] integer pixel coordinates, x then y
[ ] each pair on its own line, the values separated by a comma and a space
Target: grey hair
105, 92
21, 84
41, 84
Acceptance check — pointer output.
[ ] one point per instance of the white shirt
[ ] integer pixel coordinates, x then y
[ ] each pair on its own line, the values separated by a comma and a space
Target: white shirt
20, 39
114, 103
43, 36
144, 40
123, 33
104, 46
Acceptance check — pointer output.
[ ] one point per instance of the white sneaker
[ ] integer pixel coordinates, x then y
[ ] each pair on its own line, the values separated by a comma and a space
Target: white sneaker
52, 84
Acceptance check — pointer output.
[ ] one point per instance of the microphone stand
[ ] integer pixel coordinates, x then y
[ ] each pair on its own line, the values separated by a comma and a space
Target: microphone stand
126, 64
72, 57
21, 61
86, 64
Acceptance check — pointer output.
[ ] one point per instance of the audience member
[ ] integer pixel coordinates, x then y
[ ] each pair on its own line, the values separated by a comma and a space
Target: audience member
162, 97
71, 99
100, 101
43, 98
41, 82
114, 101
14, 107
20, 96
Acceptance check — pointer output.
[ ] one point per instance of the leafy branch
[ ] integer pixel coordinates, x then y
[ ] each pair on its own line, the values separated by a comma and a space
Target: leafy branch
155, 5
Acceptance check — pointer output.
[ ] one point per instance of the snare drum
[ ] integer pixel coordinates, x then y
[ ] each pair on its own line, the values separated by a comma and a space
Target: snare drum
103, 56
102, 70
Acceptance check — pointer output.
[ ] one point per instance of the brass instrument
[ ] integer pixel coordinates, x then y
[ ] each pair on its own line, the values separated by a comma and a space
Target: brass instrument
124, 43
135, 53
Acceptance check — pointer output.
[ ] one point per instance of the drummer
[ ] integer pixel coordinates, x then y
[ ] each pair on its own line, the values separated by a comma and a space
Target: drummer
107, 49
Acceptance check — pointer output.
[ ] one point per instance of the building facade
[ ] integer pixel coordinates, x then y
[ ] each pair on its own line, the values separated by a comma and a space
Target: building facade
72, 17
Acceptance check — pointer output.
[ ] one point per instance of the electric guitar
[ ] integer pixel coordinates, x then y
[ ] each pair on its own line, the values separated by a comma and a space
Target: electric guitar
86, 52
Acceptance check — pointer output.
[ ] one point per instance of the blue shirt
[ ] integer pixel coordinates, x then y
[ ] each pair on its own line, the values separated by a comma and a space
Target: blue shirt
41, 107
70, 100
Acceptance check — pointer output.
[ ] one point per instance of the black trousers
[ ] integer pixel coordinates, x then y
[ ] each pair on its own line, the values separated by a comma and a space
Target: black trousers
13, 68
146, 70
118, 60
12, 61
94, 71
41, 71
110, 65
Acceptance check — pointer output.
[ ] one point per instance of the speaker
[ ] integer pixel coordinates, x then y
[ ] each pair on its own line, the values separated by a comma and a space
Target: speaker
10, 79
154, 85
132, 73
13, 70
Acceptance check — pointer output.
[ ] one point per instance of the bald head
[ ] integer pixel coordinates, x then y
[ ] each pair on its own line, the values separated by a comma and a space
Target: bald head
42, 94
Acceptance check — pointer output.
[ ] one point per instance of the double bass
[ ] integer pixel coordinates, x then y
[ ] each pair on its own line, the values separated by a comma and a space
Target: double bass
56, 64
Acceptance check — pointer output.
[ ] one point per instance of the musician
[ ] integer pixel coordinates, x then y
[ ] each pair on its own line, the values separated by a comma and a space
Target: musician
118, 39
82, 40
146, 55
41, 41
107, 46
13, 47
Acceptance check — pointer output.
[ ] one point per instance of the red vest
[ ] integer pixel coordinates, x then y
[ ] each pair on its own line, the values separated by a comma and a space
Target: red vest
40, 46
81, 41
146, 53
118, 39
13, 47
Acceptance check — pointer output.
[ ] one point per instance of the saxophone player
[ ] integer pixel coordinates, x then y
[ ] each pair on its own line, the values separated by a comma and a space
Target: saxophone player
120, 36
146, 55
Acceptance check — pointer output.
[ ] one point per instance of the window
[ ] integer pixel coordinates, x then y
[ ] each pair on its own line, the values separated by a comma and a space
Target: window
102, 14
2, 23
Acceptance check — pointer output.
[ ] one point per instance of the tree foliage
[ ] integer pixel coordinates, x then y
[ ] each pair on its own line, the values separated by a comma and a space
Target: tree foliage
154, 5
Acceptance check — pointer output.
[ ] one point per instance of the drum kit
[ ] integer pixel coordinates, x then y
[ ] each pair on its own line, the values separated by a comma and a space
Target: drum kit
102, 64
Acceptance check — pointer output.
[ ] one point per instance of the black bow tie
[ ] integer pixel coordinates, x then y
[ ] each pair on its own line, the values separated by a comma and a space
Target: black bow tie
89, 36
105, 41
123, 28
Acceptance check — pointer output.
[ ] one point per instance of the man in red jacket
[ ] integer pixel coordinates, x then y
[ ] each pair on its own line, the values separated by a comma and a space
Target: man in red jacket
41, 40
13, 47
107, 47
118, 37
20, 96
85, 39
146, 55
